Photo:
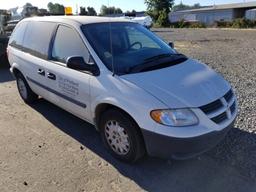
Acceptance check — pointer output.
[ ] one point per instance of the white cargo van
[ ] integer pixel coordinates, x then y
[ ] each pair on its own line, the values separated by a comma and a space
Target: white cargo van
142, 96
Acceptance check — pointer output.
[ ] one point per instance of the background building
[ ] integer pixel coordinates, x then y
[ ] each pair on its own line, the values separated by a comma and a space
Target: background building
251, 14
208, 15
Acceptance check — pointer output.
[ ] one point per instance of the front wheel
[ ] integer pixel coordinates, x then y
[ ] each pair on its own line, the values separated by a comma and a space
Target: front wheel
121, 136
24, 90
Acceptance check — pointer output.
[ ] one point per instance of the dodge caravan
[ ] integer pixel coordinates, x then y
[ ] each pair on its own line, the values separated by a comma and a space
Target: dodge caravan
141, 94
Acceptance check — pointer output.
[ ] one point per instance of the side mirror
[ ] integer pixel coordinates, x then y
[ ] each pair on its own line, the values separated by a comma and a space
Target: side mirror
78, 63
171, 44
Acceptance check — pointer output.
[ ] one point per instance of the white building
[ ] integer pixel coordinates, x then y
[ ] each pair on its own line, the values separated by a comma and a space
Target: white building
251, 14
208, 15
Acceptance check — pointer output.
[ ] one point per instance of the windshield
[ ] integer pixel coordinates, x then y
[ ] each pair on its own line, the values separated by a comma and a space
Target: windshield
133, 47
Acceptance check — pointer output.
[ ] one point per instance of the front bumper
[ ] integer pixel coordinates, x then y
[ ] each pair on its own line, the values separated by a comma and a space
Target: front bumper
182, 148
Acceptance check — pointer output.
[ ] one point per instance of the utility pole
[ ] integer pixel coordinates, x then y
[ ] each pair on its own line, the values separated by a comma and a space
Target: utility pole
76, 9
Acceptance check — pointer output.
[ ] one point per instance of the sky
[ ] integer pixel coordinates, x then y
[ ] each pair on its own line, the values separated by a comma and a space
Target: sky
125, 5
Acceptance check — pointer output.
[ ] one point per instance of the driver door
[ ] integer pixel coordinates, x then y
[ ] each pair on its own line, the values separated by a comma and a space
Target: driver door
70, 89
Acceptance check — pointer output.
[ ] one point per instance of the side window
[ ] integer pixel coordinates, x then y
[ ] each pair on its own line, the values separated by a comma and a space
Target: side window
135, 36
37, 38
68, 43
18, 35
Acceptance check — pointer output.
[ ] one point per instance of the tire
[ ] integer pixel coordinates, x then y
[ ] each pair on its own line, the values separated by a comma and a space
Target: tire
24, 90
121, 136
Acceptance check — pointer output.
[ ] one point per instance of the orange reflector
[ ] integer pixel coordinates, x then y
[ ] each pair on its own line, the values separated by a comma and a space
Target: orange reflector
156, 115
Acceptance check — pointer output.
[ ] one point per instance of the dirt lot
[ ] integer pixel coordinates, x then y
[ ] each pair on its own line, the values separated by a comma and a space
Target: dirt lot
43, 148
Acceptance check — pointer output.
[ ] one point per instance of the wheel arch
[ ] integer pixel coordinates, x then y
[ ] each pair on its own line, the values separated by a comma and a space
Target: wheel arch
16, 71
103, 107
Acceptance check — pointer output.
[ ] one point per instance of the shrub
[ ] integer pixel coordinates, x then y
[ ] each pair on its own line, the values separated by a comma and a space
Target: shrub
156, 25
243, 23
237, 23
197, 25
186, 24
162, 19
223, 24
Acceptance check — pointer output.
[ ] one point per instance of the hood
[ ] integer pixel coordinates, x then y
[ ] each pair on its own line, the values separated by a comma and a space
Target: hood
189, 84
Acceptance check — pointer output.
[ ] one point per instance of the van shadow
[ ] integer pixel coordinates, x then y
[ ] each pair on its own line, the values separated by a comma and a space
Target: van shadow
4, 63
151, 174
5, 75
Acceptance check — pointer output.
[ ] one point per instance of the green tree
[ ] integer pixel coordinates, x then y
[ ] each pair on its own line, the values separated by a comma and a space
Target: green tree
28, 5
131, 13
159, 10
56, 9
162, 21
103, 10
134, 11
197, 5
109, 10
83, 11
91, 11
182, 6
118, 10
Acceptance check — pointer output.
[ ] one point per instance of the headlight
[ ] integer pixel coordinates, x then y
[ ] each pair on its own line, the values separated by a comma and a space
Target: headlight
174, 117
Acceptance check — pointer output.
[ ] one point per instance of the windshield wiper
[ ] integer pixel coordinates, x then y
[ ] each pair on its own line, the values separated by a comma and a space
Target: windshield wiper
158, 57
158, 61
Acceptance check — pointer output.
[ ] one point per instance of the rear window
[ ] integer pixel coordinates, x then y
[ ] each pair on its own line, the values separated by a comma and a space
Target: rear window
18, 35
38, 37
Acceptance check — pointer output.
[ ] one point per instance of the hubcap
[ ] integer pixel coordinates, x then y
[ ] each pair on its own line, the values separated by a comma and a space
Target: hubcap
117, 137
22, 88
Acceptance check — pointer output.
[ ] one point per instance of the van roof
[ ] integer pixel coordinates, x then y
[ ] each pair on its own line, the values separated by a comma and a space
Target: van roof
78, 19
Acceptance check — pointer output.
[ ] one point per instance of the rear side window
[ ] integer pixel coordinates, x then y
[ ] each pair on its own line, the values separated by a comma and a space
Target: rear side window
38, 37
18, 35
68, 43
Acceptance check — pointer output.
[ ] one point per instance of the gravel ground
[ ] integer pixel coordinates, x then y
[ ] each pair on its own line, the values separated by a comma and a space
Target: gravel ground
43, 148
233, 54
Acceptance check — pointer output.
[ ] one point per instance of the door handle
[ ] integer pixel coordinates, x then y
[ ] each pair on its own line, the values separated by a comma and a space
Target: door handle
51, 76
41, 72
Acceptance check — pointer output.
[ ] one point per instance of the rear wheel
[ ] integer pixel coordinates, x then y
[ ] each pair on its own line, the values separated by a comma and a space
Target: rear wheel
24, 90
121, 136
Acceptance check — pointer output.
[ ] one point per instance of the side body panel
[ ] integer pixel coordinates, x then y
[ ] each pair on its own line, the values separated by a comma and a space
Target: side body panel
70, 89
29, 67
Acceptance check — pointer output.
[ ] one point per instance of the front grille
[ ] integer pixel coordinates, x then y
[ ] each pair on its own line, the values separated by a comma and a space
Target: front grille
222, 109
233, 108
211, 106
220, 118
228, 96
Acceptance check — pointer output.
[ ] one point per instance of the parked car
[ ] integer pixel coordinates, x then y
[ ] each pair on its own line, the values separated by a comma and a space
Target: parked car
140, 94
4, 18
10, 27
145, 21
